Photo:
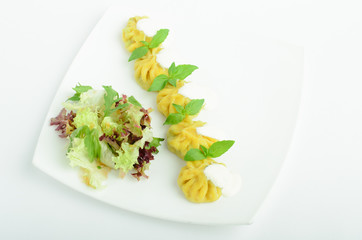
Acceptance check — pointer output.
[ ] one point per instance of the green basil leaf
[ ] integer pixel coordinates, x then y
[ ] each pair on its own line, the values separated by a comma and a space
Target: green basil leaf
219, 148
158, 83
172, 69
145, 43
204, 149
133, 100
183, 71
194, 155
194, 106
138, 53
174, 118
179, 108
172, 81
159, 37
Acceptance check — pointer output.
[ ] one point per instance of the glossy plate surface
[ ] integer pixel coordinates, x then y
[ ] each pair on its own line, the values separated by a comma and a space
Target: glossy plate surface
251, 87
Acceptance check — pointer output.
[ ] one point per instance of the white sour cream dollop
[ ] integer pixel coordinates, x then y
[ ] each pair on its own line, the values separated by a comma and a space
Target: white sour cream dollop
221, 177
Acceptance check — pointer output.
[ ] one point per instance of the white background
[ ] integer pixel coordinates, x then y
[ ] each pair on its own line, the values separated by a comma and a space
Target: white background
318, 194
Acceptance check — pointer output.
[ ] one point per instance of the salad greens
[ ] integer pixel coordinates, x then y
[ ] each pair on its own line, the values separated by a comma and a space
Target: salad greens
106, 131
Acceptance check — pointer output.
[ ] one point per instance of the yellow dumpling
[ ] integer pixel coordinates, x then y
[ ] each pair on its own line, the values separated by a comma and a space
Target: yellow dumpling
147, 68
183, 136
195, 185
131, 36
169, 95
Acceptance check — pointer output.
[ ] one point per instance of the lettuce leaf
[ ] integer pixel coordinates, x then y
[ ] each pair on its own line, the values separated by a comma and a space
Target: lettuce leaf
86, 117
127, 157
93, 174
92, 99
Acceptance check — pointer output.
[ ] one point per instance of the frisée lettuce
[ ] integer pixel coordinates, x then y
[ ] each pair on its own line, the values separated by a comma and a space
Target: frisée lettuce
106, 131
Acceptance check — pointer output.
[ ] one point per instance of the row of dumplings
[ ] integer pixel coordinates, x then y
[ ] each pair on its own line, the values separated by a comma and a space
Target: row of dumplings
183, 136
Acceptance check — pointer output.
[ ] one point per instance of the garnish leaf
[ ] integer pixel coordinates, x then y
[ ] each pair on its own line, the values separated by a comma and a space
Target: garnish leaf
145, 43
158, 38
175, 73
194, 155
183, 71
133, 100
172, 69
194, 106
172, 81
174, 118
109, 98
75, 97
204, 149
219, 148
158, 83
179, 108
81, 89
138, 53
216, 150
78, 90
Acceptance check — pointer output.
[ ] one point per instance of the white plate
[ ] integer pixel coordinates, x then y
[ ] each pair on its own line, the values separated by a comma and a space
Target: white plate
251, 87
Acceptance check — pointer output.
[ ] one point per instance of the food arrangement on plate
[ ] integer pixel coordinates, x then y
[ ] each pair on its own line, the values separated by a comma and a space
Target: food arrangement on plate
108, 131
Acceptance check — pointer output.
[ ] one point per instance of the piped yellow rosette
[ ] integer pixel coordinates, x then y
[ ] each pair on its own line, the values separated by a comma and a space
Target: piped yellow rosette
183, 136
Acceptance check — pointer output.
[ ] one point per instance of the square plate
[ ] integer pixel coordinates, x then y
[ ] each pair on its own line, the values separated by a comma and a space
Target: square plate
251, 88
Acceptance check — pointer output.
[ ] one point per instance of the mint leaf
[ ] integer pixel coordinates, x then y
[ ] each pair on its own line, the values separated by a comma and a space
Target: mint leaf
183, 71
91, 142
133, 100
78, 90
194, 155
158, 83
159, 37
219, 148
204, 150
138, 53
109, 99
179, 108
194, 106
174, 118
172, 69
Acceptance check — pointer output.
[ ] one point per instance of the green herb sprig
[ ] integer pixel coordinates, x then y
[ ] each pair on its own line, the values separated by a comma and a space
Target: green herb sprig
192, 108
110, 97
159, 37
216, 150
134, 101
175, 73
78, 90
